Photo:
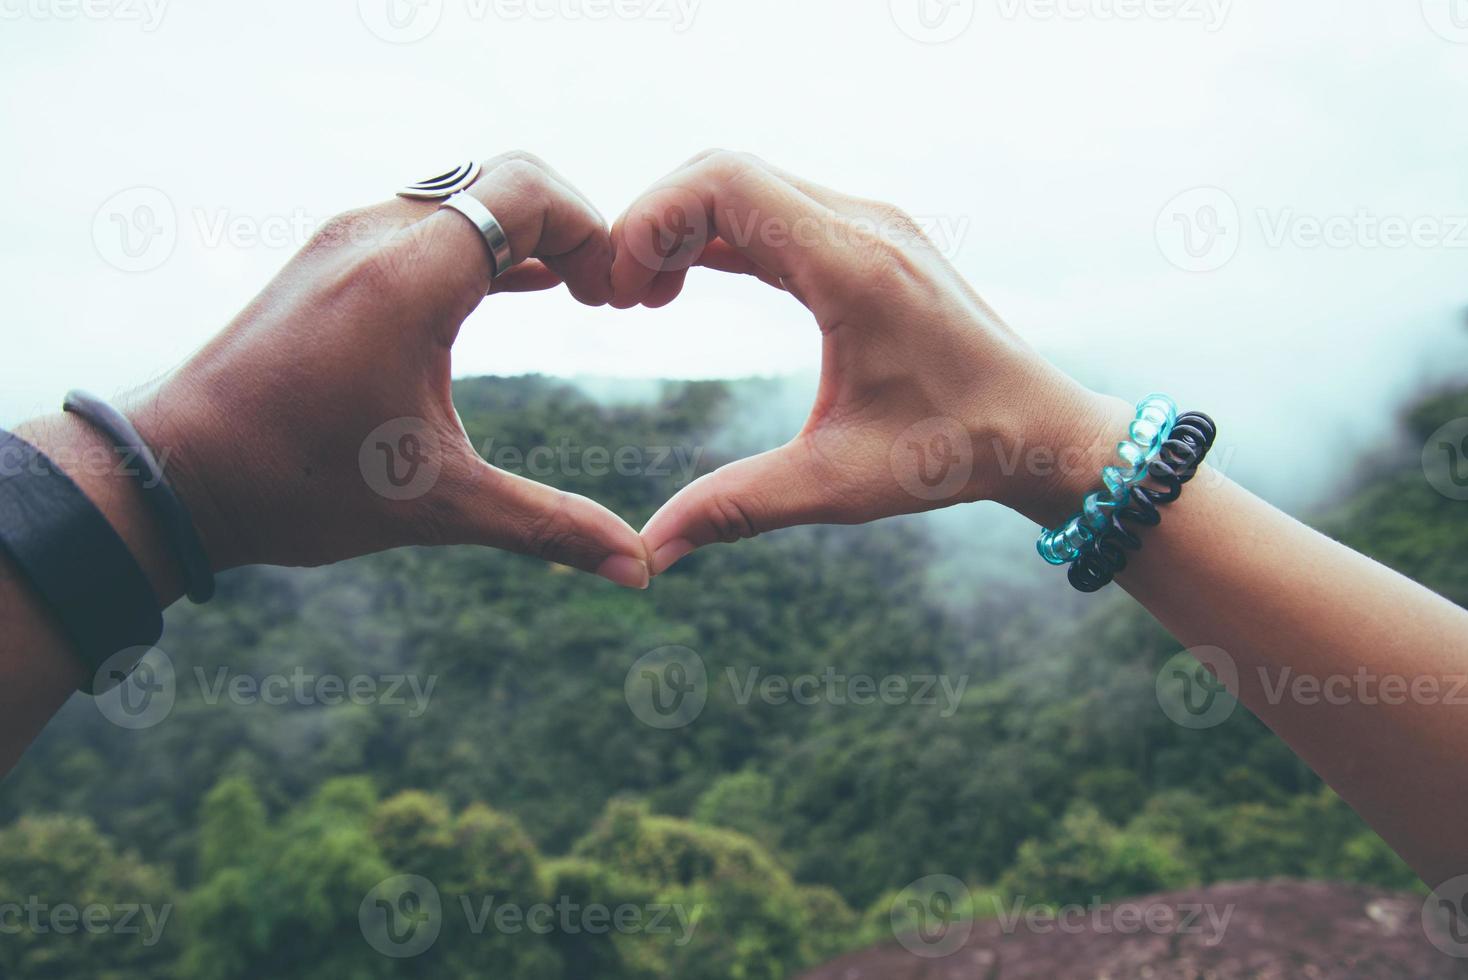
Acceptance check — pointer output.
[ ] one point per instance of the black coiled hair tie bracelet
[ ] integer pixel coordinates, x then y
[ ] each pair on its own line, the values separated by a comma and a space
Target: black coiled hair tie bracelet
1176, 463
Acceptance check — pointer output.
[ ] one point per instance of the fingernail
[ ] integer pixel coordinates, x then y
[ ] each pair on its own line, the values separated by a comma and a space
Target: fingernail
669, 554
627, 572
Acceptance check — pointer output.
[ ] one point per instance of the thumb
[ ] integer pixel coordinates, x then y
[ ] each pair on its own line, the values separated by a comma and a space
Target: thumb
777, 489
512, 513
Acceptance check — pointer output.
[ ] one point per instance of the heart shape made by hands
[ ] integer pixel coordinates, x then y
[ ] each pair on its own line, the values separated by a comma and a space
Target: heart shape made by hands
924, 399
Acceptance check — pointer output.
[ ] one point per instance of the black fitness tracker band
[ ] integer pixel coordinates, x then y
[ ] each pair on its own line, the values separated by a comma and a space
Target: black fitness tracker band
76, 562
172, 515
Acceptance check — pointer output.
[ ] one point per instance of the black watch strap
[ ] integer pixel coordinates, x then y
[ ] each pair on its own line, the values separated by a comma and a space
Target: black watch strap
74, 559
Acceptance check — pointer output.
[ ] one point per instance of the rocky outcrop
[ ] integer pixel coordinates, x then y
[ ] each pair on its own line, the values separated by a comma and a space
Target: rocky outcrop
1273, 930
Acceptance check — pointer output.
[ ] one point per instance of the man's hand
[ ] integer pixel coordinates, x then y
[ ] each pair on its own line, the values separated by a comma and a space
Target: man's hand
319, 425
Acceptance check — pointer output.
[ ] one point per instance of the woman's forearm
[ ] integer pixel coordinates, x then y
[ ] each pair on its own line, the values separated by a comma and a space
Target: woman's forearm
916, 369
1362, 671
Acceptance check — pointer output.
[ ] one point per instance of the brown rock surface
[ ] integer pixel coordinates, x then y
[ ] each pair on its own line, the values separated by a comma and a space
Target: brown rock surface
1275, 930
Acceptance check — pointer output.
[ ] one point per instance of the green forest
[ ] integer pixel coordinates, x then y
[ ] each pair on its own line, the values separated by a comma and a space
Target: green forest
511, 770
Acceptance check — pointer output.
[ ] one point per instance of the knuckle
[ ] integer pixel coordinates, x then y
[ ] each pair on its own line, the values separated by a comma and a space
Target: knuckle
437, 520
891, 226
891, 239
730, 519
893, 217
882, 209
521, 176
882, 263
704, 156
556, 544
731, 163
522, 156
894, 268
350, 228
379, 271
552, 536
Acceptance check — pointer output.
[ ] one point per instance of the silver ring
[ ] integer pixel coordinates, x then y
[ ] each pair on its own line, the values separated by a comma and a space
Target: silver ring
445, 184
490, 230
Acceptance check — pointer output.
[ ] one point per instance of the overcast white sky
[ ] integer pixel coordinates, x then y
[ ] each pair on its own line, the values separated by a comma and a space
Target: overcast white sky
1047, 140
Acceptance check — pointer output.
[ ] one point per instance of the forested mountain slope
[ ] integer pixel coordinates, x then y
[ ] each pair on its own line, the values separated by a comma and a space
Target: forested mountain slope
1036, 762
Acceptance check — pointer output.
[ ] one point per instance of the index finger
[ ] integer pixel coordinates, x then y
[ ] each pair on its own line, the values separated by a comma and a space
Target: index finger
736, 199
542, 216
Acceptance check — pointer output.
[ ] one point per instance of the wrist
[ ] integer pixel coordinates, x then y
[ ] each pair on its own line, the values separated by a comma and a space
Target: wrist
1050, 459
92, 463
171, 426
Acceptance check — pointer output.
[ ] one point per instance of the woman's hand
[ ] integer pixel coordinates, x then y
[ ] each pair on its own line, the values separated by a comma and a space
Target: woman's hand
926, 398
319, 425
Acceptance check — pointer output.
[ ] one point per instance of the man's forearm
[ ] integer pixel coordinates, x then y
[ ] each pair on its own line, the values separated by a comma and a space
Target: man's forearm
38, 667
